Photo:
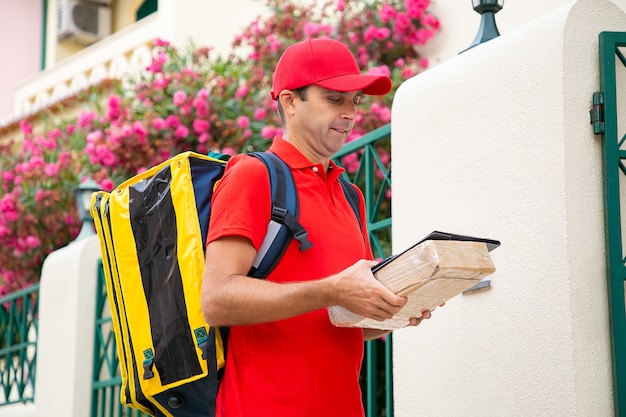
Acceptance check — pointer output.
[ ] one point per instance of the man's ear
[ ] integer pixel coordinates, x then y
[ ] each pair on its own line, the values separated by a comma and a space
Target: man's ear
286, 99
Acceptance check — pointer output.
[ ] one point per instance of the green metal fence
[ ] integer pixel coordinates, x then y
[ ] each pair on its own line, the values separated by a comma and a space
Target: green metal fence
18, 345
605, 117
105, 399
363, 158
368, 167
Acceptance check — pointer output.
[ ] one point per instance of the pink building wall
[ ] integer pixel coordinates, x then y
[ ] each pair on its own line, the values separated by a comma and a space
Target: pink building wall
20, 47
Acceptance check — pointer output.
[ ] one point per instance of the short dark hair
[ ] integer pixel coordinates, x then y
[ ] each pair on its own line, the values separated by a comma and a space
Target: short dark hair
302, 94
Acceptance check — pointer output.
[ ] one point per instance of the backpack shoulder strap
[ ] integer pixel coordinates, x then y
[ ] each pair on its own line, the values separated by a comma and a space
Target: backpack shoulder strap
284, 222
351, 196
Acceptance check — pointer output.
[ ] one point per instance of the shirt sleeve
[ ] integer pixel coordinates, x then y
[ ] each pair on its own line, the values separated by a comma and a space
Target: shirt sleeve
241, 204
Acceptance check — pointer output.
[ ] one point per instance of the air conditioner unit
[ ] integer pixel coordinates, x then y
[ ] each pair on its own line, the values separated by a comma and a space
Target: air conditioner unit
84, 21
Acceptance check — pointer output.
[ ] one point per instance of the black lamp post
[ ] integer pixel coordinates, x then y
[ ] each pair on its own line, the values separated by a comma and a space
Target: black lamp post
83, 201
488, 29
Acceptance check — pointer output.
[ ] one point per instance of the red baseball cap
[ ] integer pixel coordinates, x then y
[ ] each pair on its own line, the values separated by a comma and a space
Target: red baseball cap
327, 63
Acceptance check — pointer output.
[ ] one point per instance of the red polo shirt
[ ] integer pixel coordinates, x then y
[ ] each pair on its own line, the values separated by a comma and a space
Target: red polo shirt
302, 366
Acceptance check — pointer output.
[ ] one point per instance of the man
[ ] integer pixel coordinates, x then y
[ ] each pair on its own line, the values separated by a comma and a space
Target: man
284, 357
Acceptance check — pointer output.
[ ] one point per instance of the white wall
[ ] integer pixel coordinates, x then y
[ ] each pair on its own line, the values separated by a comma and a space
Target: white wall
459, 23
497, 143
66, 331
209, 23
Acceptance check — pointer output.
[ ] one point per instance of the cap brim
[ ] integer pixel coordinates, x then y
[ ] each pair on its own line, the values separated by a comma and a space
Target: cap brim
375, 85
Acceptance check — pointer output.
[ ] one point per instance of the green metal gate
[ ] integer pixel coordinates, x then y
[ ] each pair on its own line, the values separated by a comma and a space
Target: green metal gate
605, 117
366, 160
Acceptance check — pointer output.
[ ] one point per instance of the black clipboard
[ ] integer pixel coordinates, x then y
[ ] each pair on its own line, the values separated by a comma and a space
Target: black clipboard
436, 235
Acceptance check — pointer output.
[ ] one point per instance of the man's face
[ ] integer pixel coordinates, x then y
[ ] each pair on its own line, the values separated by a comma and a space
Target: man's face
324, 120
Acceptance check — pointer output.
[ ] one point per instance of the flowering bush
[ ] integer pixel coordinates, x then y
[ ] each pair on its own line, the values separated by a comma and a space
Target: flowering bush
188, 100
37, 206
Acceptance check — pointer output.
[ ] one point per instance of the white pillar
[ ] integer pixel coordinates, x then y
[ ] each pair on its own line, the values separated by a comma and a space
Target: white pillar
497, 143
66, 330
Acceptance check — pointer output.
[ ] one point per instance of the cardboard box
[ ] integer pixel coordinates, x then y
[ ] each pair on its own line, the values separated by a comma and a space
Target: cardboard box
429, 274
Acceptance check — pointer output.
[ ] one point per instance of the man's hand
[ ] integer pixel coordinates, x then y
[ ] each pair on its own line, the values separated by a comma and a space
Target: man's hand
356, 289
415, 321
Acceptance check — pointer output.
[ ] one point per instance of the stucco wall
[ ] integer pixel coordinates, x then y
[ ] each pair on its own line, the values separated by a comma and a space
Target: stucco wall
497, 143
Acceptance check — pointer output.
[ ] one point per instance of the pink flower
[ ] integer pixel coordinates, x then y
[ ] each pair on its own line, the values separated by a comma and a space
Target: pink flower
370, 34
156, 65
94, 136
200, 104
172, 121
32, 241
181, 132
380, 70
387, 13
259, 114
51, 169
161, 42
8, 176
415, 8
158, 123
34, 163
242, 91
268, 132
86, 118
203, 138
26, 127
114, 101
382, 34
310, 29
402, 22
351, 163
10, 214
203, 94
243, 122
140, 130
46, 143
179, 98
9, 276
114, 110
64, 157
160, 83
105, 155
430, 20
274, 43
200, 126
40, 196
186, 109
106, 184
